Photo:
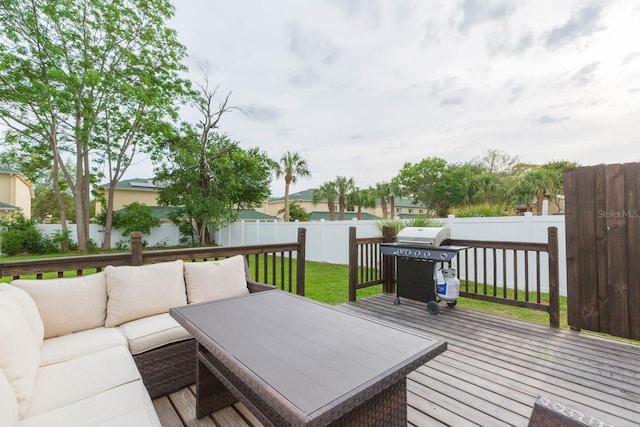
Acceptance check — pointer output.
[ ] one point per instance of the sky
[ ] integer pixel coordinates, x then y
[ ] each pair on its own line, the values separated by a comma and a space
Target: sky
360, 87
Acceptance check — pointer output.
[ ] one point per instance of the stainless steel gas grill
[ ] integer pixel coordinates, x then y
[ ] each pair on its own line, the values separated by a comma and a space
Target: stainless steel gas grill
418, 250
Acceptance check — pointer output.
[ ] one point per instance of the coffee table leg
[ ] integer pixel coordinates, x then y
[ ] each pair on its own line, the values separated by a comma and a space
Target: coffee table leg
211, 394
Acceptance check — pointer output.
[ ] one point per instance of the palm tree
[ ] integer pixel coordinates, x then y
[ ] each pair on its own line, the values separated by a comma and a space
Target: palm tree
291, 167
362, 198
328, 192
383, 190
344, 186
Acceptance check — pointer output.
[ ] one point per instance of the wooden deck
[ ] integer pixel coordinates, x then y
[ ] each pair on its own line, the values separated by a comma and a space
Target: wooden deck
491, 374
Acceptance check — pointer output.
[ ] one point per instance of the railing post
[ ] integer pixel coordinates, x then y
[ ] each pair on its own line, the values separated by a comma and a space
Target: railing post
136, 248
388, 261
300, 263
353, 264
554, 277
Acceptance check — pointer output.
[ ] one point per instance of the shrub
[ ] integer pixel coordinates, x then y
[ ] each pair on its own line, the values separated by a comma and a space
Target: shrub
20, 236
399, 224
483, 210
135, 216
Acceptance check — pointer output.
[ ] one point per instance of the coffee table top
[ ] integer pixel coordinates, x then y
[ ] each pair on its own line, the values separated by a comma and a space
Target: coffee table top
305, 352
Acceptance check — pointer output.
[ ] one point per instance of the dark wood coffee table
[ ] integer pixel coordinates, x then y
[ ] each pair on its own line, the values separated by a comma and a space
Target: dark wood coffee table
294, 361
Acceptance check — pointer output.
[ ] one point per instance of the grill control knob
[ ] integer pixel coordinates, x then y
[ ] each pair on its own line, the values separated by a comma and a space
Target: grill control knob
444, 255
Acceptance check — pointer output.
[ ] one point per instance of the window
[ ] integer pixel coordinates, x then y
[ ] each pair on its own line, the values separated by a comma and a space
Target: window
398, 210
410, 210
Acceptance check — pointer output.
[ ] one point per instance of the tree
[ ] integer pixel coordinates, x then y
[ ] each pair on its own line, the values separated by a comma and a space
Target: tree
135, 216
87, 80
383, 191
362, 198
234, 179
344, 186
291, 167
496, 162
296, 212
453, 187
328, 192
416, 181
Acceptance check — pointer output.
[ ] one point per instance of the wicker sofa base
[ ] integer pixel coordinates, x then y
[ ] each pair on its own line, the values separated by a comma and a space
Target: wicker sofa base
168, 368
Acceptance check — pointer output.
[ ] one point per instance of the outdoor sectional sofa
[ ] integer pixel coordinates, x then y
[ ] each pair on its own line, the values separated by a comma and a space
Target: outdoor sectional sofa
93, 350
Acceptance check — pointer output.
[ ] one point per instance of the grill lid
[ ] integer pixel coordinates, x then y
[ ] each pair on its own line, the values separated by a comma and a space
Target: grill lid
423, 236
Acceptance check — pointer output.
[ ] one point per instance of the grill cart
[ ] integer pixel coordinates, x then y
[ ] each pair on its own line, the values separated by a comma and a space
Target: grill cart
424, 270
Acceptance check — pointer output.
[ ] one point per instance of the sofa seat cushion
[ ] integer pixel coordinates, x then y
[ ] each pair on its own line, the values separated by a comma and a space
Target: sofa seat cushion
8, 403
213, 280
125, 405
136, 292
68, 304
71, 346
64, 383
19, 354
152, 332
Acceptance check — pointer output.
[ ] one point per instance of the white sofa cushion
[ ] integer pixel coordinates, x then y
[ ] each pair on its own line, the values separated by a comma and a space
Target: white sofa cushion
68, 304
126, 405
136, 292
19, 354
61, 384
213, 280
152, 332
29, 309
71, 346
8, 403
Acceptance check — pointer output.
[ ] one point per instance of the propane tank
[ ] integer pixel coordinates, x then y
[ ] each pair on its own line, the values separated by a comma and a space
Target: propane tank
449, 288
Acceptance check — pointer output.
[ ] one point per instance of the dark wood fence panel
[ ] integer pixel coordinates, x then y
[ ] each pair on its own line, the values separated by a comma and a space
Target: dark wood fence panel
602, 231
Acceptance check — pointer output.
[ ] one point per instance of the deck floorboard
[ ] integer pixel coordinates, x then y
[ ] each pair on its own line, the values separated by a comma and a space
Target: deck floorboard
491, 374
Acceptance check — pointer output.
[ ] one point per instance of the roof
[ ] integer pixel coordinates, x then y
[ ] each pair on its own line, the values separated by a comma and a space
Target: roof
307, 195
250, 214
318, 215
8, 170
8, 207
137, 184
298, 195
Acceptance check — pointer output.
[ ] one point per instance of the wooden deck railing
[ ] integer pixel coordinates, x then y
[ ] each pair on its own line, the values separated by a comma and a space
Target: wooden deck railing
273, 264
368, 268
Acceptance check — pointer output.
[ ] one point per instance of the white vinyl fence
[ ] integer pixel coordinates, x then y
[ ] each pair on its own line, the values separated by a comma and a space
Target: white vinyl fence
328, 241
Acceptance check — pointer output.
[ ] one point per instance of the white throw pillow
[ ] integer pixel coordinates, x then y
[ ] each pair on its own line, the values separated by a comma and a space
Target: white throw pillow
19, 354
136, 292
68, 304
29, 309
213, 280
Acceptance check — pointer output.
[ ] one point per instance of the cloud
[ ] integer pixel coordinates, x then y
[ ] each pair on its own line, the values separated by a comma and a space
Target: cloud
262, 113
630, 58
500, 45
516, 91
585, 74
312, 50
452, 100
548, 120
477, 11
304, 76
310, 47
580, 24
